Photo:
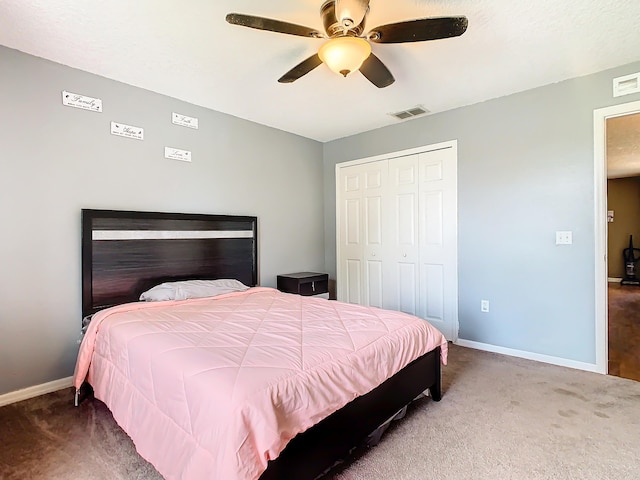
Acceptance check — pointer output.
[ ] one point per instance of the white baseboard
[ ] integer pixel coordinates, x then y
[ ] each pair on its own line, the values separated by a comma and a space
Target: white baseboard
35, 391
614, 280
538, 357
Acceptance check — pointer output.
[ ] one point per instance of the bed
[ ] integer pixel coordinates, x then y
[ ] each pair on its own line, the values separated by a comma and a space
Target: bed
308, 379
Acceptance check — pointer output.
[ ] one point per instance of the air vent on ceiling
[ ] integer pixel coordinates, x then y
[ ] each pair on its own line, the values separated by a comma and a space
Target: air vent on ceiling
411, 113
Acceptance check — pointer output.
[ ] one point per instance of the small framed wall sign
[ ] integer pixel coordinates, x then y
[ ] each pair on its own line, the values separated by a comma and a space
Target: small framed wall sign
128, 131
177, 154
76, 100
184, 120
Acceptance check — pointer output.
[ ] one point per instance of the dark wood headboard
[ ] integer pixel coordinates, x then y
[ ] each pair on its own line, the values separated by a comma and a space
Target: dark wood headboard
125, 253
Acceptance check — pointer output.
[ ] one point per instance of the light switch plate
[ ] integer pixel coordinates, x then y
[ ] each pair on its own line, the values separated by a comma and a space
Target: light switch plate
564, 238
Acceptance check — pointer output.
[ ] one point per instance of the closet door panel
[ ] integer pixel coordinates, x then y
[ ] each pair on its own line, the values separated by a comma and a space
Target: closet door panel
374, 288
354, 281
351, 235
405, 213
438, 240
373, 207
407, 288
432, 222
375, 178
403, 250
432, 293
352, 210
361, 245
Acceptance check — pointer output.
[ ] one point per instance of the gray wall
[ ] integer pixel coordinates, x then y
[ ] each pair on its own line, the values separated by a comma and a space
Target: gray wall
525, 170
55, 160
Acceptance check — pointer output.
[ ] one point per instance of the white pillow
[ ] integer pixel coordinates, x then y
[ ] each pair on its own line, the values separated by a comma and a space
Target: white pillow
192, 289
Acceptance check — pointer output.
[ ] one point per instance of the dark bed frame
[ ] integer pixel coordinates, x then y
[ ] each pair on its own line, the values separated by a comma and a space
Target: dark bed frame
125, 253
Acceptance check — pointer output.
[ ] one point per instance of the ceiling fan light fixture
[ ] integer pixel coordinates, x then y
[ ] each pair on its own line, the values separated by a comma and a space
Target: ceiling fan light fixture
345, 55
347, 48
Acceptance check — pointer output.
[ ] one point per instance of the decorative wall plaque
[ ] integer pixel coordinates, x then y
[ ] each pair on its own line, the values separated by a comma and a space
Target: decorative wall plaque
128, 131
177, 154
76, 100
184, 120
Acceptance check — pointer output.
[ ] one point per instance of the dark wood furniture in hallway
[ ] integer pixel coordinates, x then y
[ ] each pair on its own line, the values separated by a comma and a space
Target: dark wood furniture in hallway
624, 331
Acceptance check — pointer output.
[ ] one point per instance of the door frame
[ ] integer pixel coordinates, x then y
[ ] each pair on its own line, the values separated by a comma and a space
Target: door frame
600, 117
453, 144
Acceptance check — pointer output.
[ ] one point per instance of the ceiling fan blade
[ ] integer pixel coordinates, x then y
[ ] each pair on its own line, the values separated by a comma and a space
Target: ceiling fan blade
270, 25
376, 72
419, 30
301, 69
351, 12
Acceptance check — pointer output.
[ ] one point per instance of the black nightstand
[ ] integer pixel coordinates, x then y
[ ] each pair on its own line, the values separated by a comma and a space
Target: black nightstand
304, 283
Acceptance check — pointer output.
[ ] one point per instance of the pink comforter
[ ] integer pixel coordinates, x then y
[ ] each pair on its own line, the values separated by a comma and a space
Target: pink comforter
214, 388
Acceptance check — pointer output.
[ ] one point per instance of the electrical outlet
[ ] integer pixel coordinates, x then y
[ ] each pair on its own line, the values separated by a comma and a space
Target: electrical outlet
564, 238
484, 305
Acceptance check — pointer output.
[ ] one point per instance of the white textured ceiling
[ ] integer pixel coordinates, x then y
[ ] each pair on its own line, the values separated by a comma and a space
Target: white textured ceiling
185, 49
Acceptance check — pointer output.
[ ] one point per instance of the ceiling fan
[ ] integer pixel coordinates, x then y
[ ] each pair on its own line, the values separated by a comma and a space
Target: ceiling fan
347, 49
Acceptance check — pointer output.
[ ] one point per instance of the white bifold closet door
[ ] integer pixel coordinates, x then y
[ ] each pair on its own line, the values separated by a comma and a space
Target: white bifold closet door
397, 235
361, 233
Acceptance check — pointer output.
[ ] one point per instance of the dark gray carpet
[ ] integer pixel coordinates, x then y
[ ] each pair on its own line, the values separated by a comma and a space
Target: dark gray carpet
500, 418
48, 438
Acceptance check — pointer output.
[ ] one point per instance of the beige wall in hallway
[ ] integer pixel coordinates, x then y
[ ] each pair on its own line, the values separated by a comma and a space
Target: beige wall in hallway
623, 197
